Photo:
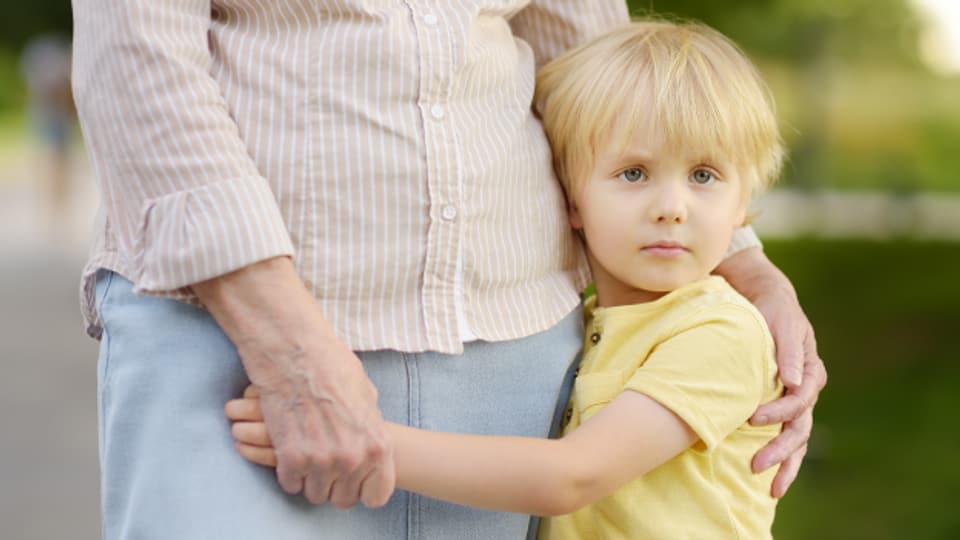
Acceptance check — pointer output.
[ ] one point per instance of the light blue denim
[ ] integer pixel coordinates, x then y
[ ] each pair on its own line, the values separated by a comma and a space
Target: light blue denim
169, 468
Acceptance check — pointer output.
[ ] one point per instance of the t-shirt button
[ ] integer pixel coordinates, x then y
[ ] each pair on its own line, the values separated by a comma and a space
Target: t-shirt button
595, 338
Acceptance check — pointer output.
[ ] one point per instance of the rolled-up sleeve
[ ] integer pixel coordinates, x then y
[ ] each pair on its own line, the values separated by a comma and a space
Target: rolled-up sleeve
553, 26
179, 188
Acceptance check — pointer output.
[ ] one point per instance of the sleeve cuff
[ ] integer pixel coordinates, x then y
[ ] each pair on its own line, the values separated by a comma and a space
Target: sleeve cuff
743, 238
195, 235
676, 402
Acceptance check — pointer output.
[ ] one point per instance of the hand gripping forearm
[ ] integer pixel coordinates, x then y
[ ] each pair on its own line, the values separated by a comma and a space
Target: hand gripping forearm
319, 406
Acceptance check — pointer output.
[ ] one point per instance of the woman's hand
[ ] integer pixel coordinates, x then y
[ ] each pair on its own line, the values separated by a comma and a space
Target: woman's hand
801, 369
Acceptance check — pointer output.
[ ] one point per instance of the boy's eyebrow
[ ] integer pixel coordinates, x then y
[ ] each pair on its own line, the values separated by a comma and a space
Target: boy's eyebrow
632, 156
703, 158
638, 156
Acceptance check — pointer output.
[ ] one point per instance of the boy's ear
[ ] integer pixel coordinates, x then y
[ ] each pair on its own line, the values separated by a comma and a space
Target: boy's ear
574, 216
741, 219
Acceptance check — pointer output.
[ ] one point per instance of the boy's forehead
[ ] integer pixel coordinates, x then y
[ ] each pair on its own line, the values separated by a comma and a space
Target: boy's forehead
667, 122
642, 139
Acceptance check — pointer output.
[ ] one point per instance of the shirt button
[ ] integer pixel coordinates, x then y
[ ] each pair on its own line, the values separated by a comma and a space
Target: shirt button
449, 212
430, 19
595, 338
437, 112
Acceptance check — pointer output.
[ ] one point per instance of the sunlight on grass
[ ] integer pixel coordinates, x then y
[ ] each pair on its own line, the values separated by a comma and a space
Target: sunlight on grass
14, 138
882, 458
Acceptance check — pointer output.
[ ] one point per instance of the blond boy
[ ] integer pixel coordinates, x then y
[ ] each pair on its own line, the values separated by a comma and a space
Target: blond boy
662, 132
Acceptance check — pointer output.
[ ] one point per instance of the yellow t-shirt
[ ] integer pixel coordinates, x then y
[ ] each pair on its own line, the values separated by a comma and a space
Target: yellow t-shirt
705, 353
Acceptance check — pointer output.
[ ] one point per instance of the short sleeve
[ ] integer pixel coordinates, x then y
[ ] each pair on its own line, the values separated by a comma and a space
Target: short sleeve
711, 374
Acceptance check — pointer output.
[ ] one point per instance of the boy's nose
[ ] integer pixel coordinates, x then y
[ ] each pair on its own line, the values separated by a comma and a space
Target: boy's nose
669, 206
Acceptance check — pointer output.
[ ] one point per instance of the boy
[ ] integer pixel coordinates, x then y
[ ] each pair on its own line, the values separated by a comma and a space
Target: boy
661, 134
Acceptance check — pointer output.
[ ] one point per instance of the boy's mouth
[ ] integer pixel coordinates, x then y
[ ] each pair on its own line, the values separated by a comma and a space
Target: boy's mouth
665, 249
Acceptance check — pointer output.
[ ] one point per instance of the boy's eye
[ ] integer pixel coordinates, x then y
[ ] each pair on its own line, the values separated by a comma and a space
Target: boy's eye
632, 175
702, 176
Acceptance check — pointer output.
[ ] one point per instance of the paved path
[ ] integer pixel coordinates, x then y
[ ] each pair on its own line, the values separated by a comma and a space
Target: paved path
48, 471
876, 215
49, 484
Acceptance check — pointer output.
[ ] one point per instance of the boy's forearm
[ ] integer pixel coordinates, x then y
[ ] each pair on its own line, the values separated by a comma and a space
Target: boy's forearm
513, 474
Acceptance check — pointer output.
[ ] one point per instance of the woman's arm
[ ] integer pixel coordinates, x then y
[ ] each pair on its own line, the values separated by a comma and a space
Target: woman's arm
629, 437
184, 199
188, 207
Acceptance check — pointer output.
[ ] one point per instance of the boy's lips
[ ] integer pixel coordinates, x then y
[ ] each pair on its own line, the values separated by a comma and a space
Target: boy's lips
665, 249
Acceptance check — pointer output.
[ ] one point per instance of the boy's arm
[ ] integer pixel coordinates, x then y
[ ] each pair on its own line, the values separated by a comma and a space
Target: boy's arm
629, 437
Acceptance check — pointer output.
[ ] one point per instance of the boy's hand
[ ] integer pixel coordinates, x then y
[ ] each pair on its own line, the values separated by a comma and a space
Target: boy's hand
253, 441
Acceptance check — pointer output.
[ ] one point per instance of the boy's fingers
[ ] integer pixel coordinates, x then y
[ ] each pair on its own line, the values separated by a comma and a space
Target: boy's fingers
251, 391
251, 433
258, 454
244, 410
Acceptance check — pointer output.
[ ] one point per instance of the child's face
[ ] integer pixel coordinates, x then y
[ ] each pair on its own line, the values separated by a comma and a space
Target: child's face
655, 218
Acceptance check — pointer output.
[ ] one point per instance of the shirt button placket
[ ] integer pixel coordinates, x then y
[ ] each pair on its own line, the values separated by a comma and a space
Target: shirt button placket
441, 165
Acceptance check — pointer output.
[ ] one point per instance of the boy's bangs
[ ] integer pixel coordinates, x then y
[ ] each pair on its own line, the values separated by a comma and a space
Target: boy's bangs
689, 87
690, 114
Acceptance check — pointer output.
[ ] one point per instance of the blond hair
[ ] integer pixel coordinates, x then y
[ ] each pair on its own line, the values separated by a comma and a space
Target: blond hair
685, 81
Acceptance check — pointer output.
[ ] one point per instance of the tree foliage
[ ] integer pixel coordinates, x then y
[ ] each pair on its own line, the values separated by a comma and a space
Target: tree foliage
858, 30
855, 31
22, 20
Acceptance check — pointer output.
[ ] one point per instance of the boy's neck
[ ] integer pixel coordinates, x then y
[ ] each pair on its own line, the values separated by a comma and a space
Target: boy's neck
625, 298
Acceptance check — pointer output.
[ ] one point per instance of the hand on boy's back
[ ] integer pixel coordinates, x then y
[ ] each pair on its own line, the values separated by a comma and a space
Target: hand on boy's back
804, 376
253, 440
801, 369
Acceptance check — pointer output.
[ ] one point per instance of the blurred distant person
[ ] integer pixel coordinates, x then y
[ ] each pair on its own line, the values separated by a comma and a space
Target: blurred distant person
45, 65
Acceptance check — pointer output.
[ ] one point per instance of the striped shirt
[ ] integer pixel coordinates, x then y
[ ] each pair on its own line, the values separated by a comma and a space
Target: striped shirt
387, 145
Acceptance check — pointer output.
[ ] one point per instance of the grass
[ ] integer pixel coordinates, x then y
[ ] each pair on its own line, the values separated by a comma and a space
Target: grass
14, 139
882, 458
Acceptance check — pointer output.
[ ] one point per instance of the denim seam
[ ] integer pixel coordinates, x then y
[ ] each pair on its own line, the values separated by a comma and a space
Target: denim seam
414, 419
105, 343
106, 337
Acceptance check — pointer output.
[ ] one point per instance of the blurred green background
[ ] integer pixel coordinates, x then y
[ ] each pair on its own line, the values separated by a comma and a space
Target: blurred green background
866, 221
